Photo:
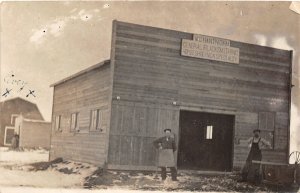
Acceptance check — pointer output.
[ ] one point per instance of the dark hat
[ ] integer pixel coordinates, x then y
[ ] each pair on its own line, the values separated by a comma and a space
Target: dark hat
167, 130
256, 130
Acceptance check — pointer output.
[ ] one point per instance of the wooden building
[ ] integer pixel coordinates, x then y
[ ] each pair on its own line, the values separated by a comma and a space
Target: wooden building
33, 133
211, 92
9, 110
80, 115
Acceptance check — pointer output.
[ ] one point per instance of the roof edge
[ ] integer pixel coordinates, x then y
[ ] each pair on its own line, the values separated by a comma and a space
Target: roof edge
81, 72
35, 120
177, 30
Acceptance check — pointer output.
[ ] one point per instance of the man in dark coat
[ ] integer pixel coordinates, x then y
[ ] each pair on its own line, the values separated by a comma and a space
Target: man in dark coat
166, 146
251, 170
15, 141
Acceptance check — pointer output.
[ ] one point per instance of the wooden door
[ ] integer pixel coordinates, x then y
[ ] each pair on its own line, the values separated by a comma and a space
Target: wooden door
134, 127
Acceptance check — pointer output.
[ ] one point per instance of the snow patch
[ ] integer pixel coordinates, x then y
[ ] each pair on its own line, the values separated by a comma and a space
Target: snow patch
26, 156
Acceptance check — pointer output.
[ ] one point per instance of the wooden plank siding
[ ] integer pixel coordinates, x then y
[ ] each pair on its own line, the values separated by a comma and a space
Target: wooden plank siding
34, 134
150, 74
81, 94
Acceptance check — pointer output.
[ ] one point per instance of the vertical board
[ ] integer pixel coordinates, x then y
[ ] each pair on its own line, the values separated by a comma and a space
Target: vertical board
136, 127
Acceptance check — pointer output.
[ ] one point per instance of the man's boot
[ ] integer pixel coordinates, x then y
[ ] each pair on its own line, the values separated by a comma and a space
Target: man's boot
163, 173
174, 174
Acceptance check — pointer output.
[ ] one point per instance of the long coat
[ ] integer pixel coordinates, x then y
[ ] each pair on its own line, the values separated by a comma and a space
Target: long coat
166, 147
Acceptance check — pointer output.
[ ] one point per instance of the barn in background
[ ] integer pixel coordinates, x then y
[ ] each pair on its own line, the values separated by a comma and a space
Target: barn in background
9, 111
211, 92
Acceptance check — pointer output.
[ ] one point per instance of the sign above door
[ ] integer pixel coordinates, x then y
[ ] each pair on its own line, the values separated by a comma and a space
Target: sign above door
210, 48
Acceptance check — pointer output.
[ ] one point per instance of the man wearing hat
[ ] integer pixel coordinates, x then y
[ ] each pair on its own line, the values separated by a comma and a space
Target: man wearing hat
166, 146
251, 170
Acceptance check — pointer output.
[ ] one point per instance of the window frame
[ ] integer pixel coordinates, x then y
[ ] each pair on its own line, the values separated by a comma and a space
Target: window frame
57, 126
96, 123
209, 132
76, 122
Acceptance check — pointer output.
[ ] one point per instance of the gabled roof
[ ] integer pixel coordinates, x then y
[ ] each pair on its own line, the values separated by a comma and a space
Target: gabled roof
18, 101
105, 62
16, 98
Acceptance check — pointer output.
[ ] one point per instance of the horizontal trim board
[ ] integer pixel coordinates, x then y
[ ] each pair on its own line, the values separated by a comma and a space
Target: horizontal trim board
131, 167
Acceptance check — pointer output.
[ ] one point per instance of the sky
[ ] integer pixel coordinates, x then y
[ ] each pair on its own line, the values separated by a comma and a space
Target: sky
44, 42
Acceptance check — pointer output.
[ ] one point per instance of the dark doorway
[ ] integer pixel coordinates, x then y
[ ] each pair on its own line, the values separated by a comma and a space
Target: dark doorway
206, 141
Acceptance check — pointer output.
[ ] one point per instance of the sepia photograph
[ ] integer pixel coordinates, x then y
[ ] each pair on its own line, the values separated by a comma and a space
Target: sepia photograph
149, 96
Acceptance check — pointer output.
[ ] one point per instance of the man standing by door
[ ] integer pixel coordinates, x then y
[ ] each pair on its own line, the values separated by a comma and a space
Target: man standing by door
166, 146
15, 142
251, 170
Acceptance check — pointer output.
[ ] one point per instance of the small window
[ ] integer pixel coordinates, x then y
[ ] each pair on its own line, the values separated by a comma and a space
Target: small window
96, 120
74, 121
209, 132
58, 123
266, 123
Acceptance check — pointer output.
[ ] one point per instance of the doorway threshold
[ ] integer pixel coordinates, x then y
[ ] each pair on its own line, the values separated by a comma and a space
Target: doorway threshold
204, 172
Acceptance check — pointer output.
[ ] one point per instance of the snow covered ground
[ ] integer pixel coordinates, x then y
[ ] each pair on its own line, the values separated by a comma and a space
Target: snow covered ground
25, 156
23, 171
15, 170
